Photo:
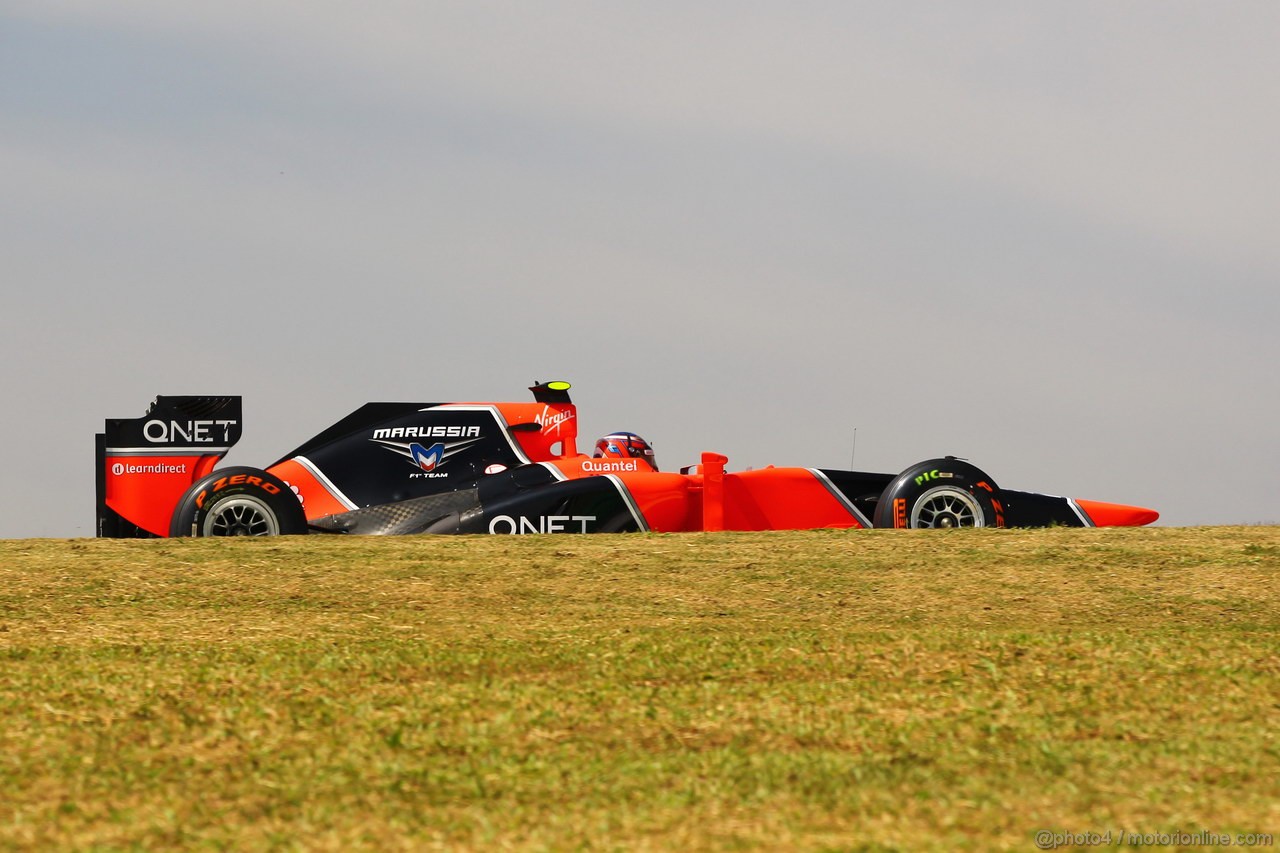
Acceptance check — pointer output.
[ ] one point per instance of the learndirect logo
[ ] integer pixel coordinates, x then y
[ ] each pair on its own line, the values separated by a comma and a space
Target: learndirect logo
120, 469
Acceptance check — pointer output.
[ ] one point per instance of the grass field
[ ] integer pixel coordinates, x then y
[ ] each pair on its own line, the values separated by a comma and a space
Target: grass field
818, 690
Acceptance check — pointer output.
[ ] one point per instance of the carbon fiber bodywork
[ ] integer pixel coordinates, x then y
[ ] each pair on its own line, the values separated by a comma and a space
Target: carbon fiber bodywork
415, 515
527, 500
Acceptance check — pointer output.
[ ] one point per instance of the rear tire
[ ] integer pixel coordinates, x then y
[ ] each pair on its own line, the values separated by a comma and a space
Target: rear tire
238, 502
940, 493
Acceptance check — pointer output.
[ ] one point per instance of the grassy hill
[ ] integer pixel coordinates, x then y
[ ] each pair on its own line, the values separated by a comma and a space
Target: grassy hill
815, 690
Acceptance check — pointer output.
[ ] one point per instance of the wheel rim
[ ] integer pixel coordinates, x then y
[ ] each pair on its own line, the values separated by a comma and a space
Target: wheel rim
946, 507
241, 516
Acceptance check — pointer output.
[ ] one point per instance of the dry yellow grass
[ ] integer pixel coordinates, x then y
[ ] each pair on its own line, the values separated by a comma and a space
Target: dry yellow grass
817, 690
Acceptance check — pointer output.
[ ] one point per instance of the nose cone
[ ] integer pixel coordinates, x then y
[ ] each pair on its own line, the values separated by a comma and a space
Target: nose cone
1117, 515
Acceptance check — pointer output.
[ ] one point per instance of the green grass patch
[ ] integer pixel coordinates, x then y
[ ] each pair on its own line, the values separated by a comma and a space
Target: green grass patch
814, 690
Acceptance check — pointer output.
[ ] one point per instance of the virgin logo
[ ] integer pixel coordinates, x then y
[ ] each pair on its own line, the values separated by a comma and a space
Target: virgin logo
552, 422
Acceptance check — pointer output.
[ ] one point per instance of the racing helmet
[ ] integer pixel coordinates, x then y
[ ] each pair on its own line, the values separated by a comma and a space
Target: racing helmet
625, 445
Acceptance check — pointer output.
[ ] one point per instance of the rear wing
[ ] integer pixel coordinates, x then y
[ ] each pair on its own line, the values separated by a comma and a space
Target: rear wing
144, 465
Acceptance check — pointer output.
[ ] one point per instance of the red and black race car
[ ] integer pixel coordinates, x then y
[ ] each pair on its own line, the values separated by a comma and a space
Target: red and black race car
510, 468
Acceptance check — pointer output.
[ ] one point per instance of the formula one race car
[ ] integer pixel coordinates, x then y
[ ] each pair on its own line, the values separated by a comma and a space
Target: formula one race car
511, 468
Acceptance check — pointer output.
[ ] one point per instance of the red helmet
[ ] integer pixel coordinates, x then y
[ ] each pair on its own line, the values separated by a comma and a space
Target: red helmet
625, 445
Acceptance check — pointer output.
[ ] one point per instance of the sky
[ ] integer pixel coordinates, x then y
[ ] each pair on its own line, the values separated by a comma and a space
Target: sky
1039, 236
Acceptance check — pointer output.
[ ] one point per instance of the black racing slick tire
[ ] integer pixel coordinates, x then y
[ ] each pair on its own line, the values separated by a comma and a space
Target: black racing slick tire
940, 493
238, 502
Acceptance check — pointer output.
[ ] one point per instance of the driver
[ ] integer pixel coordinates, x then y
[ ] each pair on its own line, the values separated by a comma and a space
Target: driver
625, 445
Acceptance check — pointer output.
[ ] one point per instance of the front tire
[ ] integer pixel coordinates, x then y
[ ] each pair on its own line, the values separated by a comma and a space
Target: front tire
940, 493
238, 502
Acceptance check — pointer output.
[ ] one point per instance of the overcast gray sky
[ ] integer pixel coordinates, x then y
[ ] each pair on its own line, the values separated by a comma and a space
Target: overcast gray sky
1039, 235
